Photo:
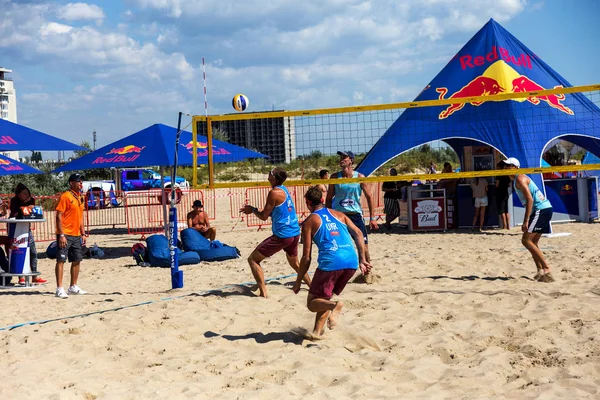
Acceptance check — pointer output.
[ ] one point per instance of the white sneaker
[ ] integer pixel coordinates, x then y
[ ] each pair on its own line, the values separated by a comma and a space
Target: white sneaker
60, 292
76, 290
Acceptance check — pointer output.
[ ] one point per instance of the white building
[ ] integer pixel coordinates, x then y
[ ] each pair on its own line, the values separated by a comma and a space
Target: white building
8, 104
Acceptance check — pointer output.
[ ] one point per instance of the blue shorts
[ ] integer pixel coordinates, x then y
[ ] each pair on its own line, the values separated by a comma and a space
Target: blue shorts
357, 219
539, 221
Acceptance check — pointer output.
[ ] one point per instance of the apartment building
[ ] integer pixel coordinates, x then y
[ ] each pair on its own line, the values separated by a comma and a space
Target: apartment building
8, 103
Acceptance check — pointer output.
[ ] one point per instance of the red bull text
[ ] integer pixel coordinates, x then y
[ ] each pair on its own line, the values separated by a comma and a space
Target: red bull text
468, 61
120, 155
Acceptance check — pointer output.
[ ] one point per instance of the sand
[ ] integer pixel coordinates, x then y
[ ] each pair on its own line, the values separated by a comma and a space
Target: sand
454, 315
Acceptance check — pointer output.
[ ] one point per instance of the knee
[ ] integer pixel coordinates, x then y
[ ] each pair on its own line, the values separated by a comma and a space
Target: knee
525, 241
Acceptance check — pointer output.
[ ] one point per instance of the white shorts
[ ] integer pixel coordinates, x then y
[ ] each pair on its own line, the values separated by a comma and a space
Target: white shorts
481, 202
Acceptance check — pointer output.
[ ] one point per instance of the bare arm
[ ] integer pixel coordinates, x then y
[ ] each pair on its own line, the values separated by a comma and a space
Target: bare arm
365, 267
307, 234
522, 184
330, 193
205, 220
367, 193
269, 205
190, 221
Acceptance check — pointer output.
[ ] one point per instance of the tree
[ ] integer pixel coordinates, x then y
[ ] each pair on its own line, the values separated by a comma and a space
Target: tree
220, 134
81, 153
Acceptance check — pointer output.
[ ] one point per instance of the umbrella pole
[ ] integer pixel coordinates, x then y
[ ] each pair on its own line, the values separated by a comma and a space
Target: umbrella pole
164, 201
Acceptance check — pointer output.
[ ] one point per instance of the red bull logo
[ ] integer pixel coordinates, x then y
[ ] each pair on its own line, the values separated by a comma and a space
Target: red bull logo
203, 149
500, 78
120, 155
4, 162
7, 140
567, 189
127, 150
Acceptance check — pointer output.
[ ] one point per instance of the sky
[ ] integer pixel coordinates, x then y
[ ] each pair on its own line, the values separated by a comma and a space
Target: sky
116, 67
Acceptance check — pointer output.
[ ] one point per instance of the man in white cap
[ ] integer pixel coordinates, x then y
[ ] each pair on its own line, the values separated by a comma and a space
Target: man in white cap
538, 213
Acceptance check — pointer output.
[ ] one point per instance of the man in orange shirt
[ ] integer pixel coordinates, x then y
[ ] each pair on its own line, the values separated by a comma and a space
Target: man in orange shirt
70, 235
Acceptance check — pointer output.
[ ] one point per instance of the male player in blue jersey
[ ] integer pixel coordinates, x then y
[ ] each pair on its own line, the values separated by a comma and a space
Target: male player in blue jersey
538, 213
286, 230
347, 197
337, 261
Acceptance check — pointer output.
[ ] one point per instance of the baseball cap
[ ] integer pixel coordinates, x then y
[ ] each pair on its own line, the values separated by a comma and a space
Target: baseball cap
76, 178
512, 161
197, 203
346, 153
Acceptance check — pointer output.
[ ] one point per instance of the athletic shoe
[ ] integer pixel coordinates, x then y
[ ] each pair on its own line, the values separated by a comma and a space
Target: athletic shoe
60, 292
39, 280
76, 290
21, 281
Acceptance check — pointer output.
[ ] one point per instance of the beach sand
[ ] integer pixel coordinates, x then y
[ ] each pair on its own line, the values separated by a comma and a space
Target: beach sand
454, 315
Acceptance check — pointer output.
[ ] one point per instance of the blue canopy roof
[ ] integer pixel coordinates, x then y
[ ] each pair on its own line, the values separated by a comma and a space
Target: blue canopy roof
155, 146
14, 137
8, 166
493, 62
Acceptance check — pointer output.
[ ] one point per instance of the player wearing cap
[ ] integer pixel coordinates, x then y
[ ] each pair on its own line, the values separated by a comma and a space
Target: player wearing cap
198, 219
70, 235
538, 213
347, 197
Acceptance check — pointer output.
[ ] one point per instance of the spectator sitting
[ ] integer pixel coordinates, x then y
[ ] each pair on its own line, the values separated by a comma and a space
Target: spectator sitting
23, 198
198, 219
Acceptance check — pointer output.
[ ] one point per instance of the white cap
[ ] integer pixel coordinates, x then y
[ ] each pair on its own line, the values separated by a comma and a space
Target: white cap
512, 161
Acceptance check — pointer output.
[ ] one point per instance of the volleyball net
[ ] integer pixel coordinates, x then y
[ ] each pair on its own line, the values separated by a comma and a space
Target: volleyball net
471, 134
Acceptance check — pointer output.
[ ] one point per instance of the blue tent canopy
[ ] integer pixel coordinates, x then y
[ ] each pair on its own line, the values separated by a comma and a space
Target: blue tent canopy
8, 166
155, 146
14, 137
493, 62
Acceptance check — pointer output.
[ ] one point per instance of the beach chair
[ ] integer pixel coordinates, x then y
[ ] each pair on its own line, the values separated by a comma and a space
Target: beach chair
101, 202
91, 202
113, 198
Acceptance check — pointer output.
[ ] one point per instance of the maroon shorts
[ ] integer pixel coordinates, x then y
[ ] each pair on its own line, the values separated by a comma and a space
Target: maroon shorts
273, 244
325, 283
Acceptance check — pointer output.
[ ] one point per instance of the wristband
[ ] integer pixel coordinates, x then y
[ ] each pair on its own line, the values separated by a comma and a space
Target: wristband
62, 234
373, 219
254, 210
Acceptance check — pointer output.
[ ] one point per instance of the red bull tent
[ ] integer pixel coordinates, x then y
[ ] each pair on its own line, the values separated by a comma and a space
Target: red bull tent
15, 137
493, 62
155, 146
8, 166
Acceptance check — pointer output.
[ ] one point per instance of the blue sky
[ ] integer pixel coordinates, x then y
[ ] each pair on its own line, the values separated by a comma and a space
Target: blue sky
119, 66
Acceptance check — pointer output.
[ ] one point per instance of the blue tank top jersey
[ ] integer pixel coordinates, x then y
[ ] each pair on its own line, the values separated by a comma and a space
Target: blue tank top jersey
347, 196
336, 247
540, 201
284, 218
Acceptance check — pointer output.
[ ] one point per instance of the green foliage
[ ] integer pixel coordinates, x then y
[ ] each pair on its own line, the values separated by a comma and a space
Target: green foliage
40, 185
80, 153
36, 157
220, 134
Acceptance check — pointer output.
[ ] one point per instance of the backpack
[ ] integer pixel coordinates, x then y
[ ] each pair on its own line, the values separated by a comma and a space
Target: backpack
138, 251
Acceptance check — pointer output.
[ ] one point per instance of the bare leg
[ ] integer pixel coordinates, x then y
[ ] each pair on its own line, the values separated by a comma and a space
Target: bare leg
475, 218
295, 264
335, 315
481, 217
212, 233
58, 270
254, 261
507, 216
538, 265
323, 308
74, 273
505, 223
530, 241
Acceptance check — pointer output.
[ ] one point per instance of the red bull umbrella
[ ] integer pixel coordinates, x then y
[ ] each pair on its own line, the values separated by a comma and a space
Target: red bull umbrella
14, 137
155, 146
493, 62
8, 166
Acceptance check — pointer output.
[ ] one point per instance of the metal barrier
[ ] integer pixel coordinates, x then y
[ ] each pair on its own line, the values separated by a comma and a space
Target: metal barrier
257, 197
237, 200
103, 212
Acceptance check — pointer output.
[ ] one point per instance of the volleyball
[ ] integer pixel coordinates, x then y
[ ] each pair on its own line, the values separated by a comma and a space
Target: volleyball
240, 102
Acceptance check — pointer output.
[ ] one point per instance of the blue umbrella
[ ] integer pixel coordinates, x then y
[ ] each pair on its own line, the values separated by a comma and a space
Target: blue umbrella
14, 137
155, 146
8, 166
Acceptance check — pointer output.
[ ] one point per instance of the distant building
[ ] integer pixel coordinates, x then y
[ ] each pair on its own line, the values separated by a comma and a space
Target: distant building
8, 104
274, 137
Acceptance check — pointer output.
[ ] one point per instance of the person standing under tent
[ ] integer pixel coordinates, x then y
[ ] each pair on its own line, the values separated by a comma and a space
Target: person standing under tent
536, 221
23, 198
347, 197
70, 235
337, 261
391, 203
502, 195
323, 174
286, 229
480, 188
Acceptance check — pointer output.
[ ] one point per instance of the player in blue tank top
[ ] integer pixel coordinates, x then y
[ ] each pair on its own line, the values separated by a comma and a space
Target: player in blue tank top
337, 261
347, 197
286, 229
538, 214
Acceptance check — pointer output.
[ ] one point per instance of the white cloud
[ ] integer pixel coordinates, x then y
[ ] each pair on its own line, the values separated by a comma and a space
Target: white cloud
80, 12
